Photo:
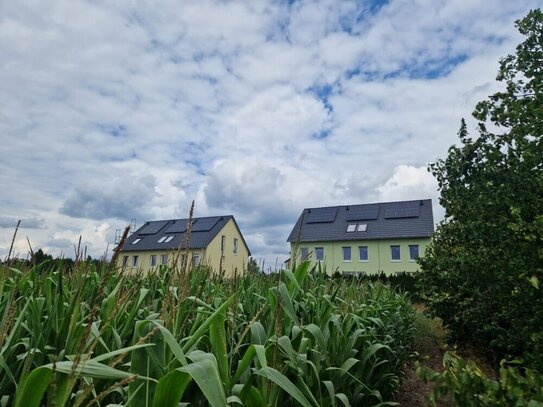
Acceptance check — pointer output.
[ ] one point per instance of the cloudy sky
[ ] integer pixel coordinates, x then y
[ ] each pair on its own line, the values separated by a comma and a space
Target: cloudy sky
131, 109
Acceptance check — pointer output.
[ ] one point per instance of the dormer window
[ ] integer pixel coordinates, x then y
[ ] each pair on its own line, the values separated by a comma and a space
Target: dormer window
136, 241
351, 227
362, 227
165, 239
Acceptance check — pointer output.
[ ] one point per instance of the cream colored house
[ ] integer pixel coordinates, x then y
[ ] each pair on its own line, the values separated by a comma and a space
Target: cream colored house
215, 241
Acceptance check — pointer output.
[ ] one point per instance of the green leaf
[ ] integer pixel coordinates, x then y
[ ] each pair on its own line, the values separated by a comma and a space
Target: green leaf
170, 389
284, 382
205, 373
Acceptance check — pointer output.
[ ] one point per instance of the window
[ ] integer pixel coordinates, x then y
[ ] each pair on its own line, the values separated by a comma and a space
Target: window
136, 241
319, 253
362, 227
395, 253
363, 253
304, 253
125, 261
169, 239
164, 259
235, 246
413, 252
196, 259
153, 260
351, 227
223, 242
162, 239
135, 261
346, 254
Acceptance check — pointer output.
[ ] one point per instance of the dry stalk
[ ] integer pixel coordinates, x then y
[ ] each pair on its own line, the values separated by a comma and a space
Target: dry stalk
8, 260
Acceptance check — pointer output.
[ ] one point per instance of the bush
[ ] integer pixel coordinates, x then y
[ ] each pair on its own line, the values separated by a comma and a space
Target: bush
470, 387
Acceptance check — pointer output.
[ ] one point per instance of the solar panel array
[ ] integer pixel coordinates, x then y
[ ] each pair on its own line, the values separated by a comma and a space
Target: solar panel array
152, 227
366, 212
398, 210
204, 224
179, 226
321, 215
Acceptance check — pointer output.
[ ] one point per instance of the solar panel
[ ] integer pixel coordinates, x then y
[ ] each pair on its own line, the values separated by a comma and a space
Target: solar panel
152, 227
321, 215
366, 212
204, 225
178, 226
399, 210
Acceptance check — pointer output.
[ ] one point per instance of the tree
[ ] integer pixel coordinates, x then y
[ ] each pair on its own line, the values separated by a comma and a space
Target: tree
482, 271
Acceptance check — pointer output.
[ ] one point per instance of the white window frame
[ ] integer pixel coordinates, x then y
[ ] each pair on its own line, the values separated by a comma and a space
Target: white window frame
317, 254
414, 259
362, 227
367, 254
164, 259
399, 253
351, 227
196, 259
152, 260
350, 254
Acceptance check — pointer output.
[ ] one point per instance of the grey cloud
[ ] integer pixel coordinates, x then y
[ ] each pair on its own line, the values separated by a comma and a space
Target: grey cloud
60, 243
123, 198
26, 223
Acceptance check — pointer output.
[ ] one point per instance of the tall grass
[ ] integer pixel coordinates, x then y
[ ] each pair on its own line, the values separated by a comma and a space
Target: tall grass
95, 337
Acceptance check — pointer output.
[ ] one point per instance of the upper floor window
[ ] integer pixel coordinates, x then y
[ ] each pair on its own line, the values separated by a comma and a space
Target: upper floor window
136, 241
319, 253
395, 253
223, 243
351, 227
235, 246
363, 253
362, 227
346, 254
413, 252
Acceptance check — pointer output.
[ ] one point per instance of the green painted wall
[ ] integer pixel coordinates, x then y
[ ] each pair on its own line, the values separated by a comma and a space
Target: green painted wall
379, 255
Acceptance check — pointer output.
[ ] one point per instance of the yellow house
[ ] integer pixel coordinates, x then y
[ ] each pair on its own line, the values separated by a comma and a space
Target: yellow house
215, 241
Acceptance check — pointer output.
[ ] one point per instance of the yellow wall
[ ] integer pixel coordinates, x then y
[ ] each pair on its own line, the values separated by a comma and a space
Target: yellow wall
210, 256
230, 261
379, 255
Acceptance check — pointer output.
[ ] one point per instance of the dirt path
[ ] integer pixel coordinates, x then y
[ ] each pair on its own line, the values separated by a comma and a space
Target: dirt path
428, 349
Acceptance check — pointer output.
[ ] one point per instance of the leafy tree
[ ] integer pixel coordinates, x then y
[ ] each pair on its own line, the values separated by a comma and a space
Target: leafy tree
252, 266
482, 272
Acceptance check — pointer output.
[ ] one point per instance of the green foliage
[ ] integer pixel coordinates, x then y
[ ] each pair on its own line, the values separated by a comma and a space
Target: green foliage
482, 271
91, 336
470, 387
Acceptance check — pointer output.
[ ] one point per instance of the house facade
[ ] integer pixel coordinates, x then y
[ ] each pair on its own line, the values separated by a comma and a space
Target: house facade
215, 241
372, 238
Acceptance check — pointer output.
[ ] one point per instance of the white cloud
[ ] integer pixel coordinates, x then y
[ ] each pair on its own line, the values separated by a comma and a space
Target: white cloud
114, 111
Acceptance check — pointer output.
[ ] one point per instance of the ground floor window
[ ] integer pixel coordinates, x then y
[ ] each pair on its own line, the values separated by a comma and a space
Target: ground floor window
125, 260
153, 260
135, 261
164, 259
346, 253
363, 253
319, 253
413, 252
395, 253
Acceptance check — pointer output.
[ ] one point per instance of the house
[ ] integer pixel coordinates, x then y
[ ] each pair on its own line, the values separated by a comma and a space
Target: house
369, 238
215, 241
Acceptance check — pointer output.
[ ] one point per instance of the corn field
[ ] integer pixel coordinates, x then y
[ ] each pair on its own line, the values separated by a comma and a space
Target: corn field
91, 336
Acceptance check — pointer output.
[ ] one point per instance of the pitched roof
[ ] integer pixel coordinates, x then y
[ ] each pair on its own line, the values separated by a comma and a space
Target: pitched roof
203, 231
385, 220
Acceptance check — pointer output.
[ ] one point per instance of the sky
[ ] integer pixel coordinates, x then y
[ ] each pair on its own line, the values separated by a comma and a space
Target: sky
132, 109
